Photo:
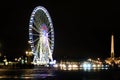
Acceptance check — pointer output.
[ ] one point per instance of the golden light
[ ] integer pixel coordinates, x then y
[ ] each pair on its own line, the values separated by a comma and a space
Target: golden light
69, 66
29, 53
74, 65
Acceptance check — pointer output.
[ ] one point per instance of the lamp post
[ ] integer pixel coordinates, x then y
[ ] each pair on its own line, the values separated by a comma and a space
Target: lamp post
28, 54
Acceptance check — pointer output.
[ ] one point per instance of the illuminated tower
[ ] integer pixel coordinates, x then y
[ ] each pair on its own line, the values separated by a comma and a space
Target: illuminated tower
112, 60
112, 46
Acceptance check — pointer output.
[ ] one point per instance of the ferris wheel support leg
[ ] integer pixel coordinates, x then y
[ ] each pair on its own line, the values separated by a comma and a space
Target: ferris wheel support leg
34, 59
40, 54
50, 57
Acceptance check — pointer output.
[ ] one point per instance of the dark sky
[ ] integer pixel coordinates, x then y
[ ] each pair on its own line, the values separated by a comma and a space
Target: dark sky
82, 28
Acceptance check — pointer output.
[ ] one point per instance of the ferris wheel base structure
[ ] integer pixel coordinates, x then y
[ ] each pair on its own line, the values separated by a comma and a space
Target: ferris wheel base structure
44, 63
41, 36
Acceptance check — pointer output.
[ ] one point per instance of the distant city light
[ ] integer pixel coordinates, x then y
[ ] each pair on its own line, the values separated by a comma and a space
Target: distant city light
86, 65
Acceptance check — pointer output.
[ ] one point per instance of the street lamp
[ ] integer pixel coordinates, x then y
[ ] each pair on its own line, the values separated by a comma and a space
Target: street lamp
28, 54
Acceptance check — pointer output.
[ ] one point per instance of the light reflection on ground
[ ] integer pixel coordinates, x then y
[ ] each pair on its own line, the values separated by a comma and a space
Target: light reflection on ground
68, 74
26, 74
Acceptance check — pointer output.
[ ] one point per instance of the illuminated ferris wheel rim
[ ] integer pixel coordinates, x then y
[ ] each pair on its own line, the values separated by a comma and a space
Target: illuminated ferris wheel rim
45, 11
50, 25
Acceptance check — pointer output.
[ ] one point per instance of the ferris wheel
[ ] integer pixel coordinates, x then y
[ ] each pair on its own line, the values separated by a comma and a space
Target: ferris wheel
41, 36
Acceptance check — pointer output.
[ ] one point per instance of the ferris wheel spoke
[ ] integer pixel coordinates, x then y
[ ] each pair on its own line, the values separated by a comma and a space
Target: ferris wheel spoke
51, 41
51, 36
35, 34
36, 25
48, 24
35, 29
50, 32
36, 39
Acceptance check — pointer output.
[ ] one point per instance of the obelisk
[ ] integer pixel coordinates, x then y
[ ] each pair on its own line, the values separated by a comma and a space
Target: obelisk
112, 46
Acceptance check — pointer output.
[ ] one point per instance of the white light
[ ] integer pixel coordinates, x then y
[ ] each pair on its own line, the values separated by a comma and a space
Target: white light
106, 65
30, 38
32, 15
52, 35
52, 39
31, 21
52, 48
52, 32
51, 29
31, 18
32, 46
53, 62
86, 65
56, 65
30, 25
30, 29
30, 33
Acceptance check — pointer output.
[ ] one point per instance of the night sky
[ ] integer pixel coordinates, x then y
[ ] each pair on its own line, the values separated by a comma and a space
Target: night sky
82, 28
